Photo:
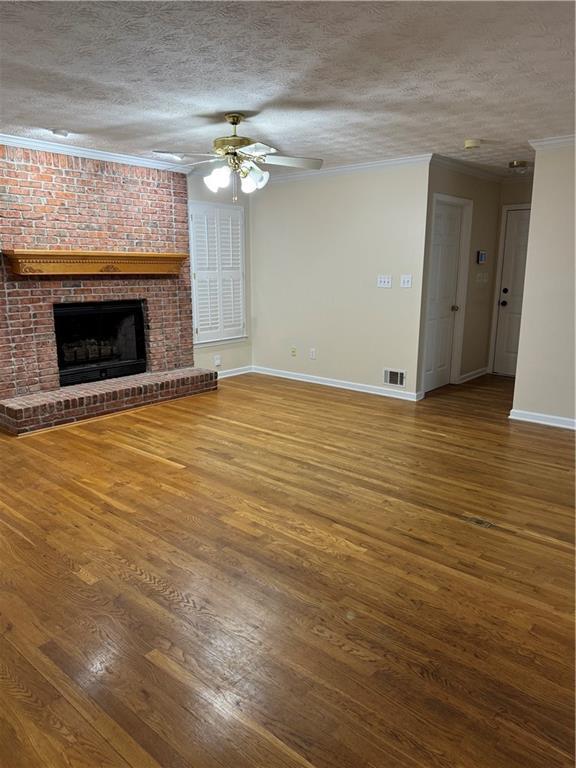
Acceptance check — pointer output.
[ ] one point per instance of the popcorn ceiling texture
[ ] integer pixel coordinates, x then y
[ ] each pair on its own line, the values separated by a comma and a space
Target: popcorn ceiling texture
60, 202
349, 82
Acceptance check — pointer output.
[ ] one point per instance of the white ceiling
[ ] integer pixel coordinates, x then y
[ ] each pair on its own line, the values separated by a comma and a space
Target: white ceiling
346, 81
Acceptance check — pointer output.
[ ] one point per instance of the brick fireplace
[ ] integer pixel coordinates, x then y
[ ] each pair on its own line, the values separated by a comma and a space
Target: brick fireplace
54, 201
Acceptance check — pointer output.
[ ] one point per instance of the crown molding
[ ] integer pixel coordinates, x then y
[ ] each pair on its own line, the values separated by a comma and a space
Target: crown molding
552, 142
461, 166
518, 178
340, 170
92, 154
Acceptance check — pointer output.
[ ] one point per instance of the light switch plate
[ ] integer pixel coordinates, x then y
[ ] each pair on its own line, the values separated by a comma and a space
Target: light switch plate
405, 281
384, 281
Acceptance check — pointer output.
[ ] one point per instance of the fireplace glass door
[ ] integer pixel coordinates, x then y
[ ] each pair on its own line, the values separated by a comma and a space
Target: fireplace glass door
99, 340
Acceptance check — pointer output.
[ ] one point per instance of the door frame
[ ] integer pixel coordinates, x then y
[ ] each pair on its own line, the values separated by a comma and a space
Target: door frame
498, 276
467, 207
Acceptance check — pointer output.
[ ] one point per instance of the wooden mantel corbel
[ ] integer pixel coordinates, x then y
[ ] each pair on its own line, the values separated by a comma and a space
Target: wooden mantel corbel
45, 262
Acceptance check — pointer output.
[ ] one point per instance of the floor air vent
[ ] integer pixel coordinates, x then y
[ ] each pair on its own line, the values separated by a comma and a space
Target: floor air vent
394, 377
479, 521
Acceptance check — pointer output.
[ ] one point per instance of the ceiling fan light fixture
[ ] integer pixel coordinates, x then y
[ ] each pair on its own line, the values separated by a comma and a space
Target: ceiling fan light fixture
261, 178
238, 161
249, 170
248, 184
218, 179
223, 175
212, 182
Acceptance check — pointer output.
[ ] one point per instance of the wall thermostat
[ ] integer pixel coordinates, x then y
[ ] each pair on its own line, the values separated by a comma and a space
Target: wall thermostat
481, 257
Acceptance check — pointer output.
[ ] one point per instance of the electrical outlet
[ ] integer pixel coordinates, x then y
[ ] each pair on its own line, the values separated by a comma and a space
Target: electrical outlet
312, 353
405, 281
217, 361
384, 281
293, 351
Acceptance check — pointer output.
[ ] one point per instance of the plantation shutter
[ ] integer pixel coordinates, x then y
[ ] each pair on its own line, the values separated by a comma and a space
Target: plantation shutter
231, 269
217, 235
205, 259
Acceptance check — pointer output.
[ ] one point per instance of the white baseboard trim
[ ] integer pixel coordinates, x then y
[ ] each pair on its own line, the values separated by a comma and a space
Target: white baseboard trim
543, 418
234, 371
472, 375
370, 389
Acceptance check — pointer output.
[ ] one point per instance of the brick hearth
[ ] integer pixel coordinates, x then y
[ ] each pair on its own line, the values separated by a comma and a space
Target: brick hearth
69, 203
27, 413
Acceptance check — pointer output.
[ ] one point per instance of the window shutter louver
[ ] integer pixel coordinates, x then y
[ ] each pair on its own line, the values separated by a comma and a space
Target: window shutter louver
217, 236
231, 235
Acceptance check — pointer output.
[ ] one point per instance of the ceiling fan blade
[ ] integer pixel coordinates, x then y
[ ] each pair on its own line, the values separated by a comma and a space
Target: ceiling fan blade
201, 162
308, 163
257, 149
179, 155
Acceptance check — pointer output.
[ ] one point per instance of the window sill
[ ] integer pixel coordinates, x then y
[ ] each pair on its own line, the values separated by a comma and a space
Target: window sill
221, 342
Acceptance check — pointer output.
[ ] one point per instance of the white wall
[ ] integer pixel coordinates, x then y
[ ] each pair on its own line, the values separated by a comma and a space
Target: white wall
237, 353
516, 192
317, 248
545, 371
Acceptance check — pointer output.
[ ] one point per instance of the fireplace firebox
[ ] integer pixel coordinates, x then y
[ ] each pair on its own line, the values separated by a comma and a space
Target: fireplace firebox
99, 340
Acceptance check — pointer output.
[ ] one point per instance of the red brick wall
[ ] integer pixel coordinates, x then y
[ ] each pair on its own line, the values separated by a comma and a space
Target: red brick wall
61, 202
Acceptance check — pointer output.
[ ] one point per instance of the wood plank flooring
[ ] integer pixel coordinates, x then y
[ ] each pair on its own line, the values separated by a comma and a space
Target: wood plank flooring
282, 575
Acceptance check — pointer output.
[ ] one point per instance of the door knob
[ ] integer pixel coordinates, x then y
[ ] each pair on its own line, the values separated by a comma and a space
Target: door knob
503, 303
454, 308
504, 290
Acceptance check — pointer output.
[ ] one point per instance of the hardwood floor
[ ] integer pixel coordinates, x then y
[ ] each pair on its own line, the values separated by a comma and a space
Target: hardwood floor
282, 575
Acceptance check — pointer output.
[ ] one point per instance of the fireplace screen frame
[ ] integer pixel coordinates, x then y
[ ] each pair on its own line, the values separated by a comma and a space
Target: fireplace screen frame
100, 368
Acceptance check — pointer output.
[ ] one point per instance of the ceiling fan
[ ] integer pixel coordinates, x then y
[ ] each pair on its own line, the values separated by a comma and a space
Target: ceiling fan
238, 157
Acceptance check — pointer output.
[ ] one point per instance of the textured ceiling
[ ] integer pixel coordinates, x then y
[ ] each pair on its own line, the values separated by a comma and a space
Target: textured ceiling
348, 82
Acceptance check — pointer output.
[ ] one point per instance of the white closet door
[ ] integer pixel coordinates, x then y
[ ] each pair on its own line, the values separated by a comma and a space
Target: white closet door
442, 285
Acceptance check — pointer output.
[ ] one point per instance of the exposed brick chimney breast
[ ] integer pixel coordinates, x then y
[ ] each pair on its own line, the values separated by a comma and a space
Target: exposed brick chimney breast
53, 201
57, 201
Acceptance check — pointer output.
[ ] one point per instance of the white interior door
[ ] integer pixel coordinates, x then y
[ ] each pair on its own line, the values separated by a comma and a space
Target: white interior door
511, 291
441, 294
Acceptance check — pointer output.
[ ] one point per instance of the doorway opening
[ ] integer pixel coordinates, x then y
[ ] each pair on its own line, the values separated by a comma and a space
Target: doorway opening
472, 301
446, 281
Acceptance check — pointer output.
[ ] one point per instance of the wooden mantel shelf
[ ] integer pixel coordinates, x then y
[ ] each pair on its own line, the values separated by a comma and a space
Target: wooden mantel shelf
42, 262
